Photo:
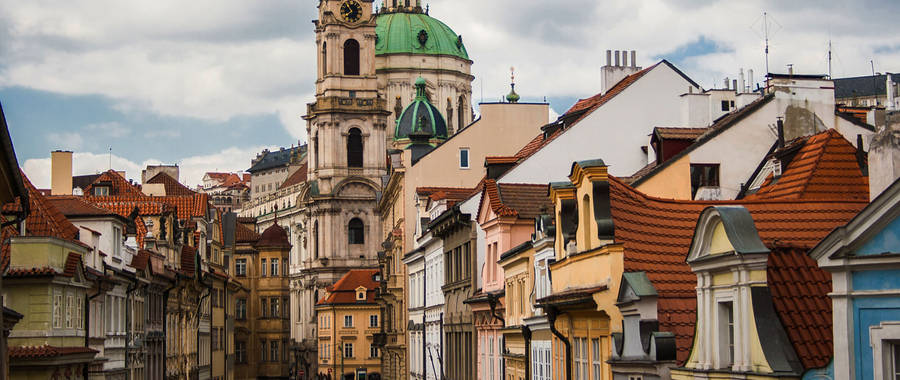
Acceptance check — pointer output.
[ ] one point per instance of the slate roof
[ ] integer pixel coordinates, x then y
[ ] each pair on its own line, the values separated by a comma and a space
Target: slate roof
296, 178
826, 167
344, 290
657, 234
800, 294
274, 159
45, 352
172, 186
862, 86
516, 199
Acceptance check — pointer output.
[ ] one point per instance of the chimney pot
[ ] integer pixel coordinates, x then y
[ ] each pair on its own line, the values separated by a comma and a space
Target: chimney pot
617, 58
624, 58
734, 84
608, 57
634, 58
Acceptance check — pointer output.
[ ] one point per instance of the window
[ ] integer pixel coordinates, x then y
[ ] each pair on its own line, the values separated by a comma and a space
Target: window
285, 305
351, 57
262, 350
273, 350
635, 377
373, 321
460, 110
348, 321
263, 303
540, 360
354, 148
356, 231
79, 312
275, 272
463, 158
101, 190
262, 267
581, 359
726, 334
57, 310
117, 241
703, 175
240, 308
373, 351
70, 306
348, 350
316, 241
596, 362
725, 106
273, 303
240, 351
491, 357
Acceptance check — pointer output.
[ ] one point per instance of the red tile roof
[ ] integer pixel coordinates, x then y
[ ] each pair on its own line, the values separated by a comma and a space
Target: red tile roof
500, 160
73, 261
274, 237
31, 272
70, 206
140, 260
187, 207
516, 199
243, 234
297, 177
172, 186
119, 185
344, 290
800, 294
43, 352
680, 133
825, 168
657, 234
188, 256
451, 194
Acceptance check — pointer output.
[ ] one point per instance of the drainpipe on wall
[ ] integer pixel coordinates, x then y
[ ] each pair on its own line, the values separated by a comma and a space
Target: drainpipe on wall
87, 320
552, 313
526, 333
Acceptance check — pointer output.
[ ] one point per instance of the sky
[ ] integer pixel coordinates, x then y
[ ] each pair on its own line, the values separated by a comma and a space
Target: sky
207, 84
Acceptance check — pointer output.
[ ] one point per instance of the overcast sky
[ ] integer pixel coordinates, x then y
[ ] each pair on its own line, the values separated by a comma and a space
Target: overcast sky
207, 84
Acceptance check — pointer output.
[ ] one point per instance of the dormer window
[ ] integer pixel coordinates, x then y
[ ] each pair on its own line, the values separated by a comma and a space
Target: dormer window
101, 191
361, 293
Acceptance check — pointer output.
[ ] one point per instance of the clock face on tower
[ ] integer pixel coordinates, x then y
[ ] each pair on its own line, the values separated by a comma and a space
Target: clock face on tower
351, 11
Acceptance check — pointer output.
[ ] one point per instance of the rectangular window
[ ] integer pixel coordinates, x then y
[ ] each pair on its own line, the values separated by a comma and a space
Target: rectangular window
373, 321
273, 350
101, 190
262, 350
262, 267
79, 312
703, 175
263, 307
373, 351
491, 357
240, 308
285, 305
726, 334
240, 267
273, 303
348, 321
275, 268
117, 241
596, 362
240, 351
463, 158
348, 350
725, 105
57, 310
70, 306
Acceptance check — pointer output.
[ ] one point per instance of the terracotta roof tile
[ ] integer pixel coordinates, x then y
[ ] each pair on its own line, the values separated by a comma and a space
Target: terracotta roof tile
274, 237
679, 133
344, 290
657, 234
42, 352
243, 234
590, 104
451, 194
118, 185
31, 272
172, 186
800, 295
826, 167
70, 205
297, 177
73, 261
500, 159
517, 199
188, 257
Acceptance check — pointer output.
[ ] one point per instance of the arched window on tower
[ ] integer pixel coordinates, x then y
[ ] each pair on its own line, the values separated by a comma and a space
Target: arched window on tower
351, 57
315, 232
356, 231
460, 111
324, 58
354, 148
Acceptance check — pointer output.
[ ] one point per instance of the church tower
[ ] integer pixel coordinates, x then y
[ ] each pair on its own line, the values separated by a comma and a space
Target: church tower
346, 126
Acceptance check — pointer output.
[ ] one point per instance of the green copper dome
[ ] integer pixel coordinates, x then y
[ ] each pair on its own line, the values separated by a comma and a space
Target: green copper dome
420, 117
416, 33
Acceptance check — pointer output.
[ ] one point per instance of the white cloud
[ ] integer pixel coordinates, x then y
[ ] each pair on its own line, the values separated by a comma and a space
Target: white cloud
191, 169
165, 133
112, 129
65, 140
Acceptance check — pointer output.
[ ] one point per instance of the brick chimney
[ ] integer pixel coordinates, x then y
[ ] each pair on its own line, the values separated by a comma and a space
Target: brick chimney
884, 156
61, 172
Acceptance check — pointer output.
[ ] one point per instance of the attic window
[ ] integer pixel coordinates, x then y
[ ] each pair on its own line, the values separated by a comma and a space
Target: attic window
101, 190
361, 294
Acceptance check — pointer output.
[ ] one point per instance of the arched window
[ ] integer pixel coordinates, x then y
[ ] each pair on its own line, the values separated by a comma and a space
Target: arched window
586, 222
356, 231
351, 57
354, 148
315, 232
460, 111
324, 58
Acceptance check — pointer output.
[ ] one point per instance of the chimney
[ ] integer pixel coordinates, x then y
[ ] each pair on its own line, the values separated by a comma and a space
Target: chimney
726, 83
617, 58
608, 57
884, 156
734, 84
624, 58
889, 86
634, 58
743, 83
750, 79
780, 124
61, 172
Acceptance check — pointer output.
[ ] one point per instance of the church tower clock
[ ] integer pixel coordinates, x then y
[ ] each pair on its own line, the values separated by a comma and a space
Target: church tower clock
346, 128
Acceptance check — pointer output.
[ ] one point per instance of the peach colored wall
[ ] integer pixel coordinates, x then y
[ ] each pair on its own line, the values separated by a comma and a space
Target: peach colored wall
673, 182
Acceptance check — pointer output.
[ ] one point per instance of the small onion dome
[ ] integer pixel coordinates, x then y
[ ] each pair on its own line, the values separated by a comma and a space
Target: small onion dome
513, 97
274, 237
420, 116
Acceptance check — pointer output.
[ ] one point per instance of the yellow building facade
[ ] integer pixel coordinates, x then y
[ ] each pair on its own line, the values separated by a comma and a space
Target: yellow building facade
348, 319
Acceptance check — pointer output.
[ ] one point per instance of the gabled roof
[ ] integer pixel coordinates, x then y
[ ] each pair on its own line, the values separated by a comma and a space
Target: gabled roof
826, 167
520, 200
12, 183
172, 186
75, 206
344, 290
188, 257
657, 234
720, 125
242, 234
296, 178
451, 194
119, 185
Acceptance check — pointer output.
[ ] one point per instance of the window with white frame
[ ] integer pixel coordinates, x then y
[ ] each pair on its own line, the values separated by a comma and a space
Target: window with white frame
726, 334
240, 267
463, 158
70, 307
57, 310
540, 360
240, 308
117, 241
348, 350
348, 321
581, 359
373, 351
596, 361
79, 312
274, 263
373, 321
491, 357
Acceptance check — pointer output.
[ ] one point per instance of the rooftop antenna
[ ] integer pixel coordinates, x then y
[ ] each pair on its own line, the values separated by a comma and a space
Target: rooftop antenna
768, 22
110, 158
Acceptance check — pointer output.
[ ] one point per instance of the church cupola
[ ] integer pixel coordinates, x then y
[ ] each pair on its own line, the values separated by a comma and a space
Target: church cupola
420, 118
513, 97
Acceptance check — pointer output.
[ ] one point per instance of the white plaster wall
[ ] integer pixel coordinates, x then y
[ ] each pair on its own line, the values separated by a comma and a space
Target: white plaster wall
470, 206
614, 132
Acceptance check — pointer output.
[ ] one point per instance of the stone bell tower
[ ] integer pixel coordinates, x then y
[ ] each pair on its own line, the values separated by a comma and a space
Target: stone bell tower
346, 128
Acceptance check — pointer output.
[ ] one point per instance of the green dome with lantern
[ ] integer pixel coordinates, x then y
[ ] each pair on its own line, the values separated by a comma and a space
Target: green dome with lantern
410, 30
420, 117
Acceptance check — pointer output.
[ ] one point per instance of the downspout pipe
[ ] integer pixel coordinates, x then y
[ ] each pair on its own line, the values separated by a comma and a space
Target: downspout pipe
526, 334
552, 313
87, 318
